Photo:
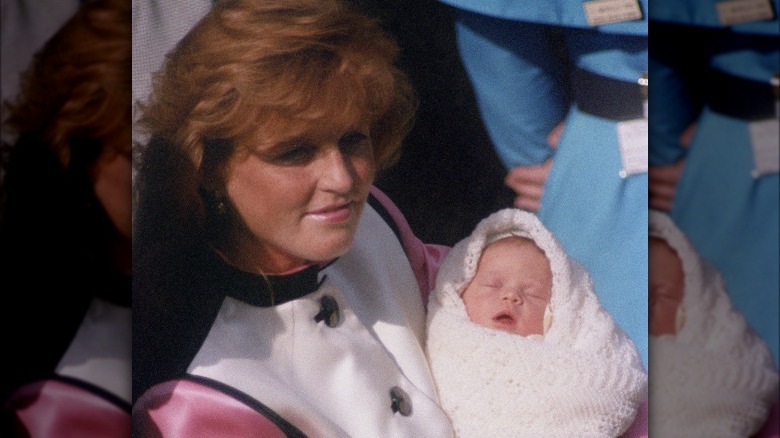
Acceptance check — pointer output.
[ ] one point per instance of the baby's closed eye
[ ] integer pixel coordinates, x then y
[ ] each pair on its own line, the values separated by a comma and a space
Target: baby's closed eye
491, 284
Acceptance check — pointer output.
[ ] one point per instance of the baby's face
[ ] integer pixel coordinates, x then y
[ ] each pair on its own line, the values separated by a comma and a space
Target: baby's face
511, 287
667, 284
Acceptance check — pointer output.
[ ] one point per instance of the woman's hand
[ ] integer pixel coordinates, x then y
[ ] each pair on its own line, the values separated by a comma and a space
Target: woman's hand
528, 181
662, 185
662, 180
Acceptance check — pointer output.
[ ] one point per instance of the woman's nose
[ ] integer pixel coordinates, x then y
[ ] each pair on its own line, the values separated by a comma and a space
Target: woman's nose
338, 173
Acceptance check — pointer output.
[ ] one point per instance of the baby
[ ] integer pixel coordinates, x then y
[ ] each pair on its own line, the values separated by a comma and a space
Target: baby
519, 344
707, 363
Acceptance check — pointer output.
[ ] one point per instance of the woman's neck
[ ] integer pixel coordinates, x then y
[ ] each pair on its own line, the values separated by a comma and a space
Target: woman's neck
247, 254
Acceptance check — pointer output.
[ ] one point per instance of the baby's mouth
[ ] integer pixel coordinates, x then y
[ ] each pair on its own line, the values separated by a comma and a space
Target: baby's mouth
504, 319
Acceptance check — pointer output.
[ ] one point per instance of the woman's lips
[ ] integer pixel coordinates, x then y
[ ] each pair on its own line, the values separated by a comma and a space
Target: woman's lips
333, 214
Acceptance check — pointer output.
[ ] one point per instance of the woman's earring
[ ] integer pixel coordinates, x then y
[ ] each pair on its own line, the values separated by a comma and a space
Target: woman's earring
221, 204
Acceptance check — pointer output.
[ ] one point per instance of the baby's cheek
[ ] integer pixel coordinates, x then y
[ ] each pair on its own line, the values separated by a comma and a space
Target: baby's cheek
478, 312
533, 319
662, 317
472, 301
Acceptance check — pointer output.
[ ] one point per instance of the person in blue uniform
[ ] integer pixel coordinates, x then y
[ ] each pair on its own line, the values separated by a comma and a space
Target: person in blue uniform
561, 88
714, 143
65, 234
276, 290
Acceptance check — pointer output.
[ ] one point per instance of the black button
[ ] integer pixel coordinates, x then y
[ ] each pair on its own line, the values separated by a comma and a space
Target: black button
329, 311
399, 401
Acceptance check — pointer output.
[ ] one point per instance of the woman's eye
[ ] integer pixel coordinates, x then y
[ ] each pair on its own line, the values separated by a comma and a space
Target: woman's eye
299, 154
354, 143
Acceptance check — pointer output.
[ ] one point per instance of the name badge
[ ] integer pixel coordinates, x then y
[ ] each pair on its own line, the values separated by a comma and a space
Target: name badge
632, 139
732, 12
599, 12
765, 142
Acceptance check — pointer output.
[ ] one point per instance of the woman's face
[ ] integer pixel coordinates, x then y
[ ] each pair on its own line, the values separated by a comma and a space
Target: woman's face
299, 193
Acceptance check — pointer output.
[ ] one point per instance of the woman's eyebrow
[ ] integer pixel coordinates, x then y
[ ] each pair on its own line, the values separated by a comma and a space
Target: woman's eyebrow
270, 147
290, 142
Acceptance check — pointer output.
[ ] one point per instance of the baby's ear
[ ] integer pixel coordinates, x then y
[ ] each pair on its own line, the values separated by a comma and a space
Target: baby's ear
679, 319
548, 316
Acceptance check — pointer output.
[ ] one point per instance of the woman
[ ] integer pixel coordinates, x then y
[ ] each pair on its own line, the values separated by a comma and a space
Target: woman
276, 291
66, 216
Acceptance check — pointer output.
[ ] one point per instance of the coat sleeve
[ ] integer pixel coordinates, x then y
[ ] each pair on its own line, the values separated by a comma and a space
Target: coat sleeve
55, 407
188, 409
424, 257
531, 97
678, 64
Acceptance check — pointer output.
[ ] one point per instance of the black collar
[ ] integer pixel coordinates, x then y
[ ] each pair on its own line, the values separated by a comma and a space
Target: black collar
264, 291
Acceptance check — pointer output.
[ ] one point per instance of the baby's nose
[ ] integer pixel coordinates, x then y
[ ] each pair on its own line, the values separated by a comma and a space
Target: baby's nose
513, 296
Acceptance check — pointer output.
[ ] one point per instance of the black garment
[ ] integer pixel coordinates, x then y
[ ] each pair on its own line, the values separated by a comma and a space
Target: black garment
54, 240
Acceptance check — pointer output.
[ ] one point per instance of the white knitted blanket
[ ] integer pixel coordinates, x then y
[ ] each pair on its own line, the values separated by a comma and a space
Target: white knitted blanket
583, 379
715, 377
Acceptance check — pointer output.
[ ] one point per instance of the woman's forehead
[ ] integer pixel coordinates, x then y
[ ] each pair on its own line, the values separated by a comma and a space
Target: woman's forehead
279, 128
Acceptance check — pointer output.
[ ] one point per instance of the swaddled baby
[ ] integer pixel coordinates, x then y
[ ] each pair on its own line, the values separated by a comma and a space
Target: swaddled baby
711, 374
519, 344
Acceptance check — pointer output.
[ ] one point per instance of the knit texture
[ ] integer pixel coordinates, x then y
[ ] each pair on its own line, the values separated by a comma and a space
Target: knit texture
715, 377
584, 378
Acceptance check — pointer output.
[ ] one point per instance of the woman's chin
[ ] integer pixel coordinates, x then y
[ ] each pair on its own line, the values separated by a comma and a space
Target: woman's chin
324, 247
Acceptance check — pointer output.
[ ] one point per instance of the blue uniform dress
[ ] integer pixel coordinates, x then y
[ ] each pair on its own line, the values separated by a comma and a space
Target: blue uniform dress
535, 64
725, 203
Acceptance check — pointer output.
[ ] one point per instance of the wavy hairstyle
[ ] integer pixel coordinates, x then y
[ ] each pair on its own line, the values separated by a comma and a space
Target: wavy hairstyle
249, 63
78, 84
246, 66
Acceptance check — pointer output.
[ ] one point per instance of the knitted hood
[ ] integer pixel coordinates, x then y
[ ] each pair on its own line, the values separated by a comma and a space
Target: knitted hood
715, 376
584, 378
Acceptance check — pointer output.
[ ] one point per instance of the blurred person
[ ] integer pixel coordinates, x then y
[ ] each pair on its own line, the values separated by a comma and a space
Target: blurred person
714, 143
65, 233
711, 374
